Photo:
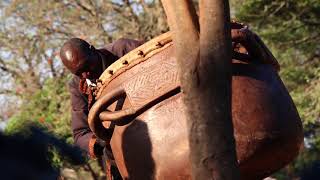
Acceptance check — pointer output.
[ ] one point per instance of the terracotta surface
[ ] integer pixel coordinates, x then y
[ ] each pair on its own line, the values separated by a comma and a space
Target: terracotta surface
151, 141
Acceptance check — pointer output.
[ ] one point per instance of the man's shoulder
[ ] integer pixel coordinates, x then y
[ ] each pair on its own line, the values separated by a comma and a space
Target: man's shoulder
122, 46
127, 42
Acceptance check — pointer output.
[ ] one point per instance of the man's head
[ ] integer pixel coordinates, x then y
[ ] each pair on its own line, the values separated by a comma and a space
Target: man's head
81, 58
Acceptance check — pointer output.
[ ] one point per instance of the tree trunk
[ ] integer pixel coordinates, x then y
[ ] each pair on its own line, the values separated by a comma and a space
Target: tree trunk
205, 73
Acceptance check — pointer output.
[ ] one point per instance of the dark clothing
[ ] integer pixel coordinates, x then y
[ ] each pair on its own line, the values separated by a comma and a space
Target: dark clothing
79, 101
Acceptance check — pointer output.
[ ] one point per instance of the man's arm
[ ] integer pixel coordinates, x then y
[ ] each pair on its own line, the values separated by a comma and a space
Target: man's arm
122, 46
83, 136
256, 49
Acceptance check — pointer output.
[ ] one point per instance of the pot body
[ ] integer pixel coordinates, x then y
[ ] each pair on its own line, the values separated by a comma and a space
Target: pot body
154, 143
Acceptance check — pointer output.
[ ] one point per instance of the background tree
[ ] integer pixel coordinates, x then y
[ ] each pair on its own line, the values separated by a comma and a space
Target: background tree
211, 141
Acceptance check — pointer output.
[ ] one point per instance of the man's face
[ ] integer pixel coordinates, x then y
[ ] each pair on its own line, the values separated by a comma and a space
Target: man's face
90, 68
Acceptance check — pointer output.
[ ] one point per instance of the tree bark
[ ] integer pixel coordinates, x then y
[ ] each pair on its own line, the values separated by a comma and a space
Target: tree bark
205, 73
184, 25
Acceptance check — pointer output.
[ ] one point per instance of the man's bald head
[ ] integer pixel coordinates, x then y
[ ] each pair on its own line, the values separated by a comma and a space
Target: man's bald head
76, 54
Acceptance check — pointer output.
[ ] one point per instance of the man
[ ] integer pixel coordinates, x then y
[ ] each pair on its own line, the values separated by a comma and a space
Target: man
88, 63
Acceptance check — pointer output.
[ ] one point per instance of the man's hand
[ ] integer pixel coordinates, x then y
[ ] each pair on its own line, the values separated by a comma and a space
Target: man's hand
96, 147
248, 46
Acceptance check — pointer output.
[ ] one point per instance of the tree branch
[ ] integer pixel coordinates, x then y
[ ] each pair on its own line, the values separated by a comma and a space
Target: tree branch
10, 92
85, 8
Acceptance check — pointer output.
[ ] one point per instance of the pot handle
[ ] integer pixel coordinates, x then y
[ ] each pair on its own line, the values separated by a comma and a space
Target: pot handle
98, 113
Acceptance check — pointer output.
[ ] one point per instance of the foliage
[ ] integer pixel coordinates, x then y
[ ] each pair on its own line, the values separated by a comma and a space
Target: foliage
34, 82
31, 33
292, 29
46, 109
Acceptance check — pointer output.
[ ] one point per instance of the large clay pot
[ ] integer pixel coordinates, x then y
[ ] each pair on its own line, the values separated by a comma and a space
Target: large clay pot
145, 112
